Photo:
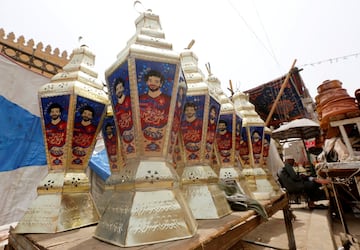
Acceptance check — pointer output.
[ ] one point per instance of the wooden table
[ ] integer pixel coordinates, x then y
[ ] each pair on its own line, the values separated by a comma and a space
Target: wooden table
223, 233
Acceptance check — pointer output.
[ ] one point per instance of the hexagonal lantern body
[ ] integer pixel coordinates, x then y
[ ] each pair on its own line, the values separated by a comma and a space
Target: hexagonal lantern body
146, 88
251, 149
72, 109
198, 135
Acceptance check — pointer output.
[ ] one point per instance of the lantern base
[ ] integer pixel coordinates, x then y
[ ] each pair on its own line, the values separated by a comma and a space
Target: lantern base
146, 206
262, 188
203, 193
104, 198
134, 218
63, 203
233, 177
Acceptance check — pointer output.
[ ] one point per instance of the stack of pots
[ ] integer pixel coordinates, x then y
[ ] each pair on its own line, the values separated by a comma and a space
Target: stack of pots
334, 103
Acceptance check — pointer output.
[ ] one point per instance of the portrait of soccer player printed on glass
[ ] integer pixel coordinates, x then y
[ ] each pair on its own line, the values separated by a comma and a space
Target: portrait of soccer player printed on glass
224, 138
191, 126
256, 134
119, 88
88, 115
111, 142
214, 111
55, 113
155, 87
174, 151
238, 137
266, 147
244, 150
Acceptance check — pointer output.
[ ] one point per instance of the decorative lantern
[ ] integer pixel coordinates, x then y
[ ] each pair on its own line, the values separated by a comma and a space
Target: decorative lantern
72, 108
251, 149
146, 88
198, 133
228, 138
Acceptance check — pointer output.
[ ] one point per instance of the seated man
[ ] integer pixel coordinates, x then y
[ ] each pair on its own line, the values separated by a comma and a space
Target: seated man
296, 183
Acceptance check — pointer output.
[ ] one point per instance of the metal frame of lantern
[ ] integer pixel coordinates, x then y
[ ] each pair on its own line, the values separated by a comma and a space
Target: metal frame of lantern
72, 109
251, 149
147, 205
228, 138
198, 129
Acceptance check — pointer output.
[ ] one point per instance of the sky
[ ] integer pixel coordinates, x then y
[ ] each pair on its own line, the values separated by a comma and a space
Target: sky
249, 42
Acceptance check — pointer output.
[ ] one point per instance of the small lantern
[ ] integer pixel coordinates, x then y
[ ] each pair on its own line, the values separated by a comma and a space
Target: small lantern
198, 133
72, 108
228, 138
146, 88
251, 148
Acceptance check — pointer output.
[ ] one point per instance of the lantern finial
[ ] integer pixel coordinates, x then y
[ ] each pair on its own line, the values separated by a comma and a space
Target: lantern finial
138, 4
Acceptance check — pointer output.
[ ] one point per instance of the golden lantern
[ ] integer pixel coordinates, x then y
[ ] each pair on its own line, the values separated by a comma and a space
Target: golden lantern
228, 138
198, 133
72, 109
251, 149
146, 85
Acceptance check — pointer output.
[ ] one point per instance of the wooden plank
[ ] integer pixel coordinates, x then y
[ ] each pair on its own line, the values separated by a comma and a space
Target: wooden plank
345, 122
20, 242
216, 234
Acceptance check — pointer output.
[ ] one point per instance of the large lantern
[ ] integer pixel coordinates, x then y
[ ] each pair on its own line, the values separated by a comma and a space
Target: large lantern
72, 108
251, 149
198, 134
146, 88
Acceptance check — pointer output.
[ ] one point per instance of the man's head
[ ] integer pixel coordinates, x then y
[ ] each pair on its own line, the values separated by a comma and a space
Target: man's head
109, 129
154, 80
289, 159
55, 110
87, 113
119, 87
222, 126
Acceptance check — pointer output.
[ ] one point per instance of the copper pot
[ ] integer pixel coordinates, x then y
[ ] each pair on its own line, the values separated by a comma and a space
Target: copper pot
332, 95
341, 109
329, 84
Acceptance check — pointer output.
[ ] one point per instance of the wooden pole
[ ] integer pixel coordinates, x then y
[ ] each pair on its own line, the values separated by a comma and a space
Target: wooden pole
280, 94
231, 88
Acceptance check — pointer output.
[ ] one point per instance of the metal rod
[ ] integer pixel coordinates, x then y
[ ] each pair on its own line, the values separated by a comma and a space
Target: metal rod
340, 211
